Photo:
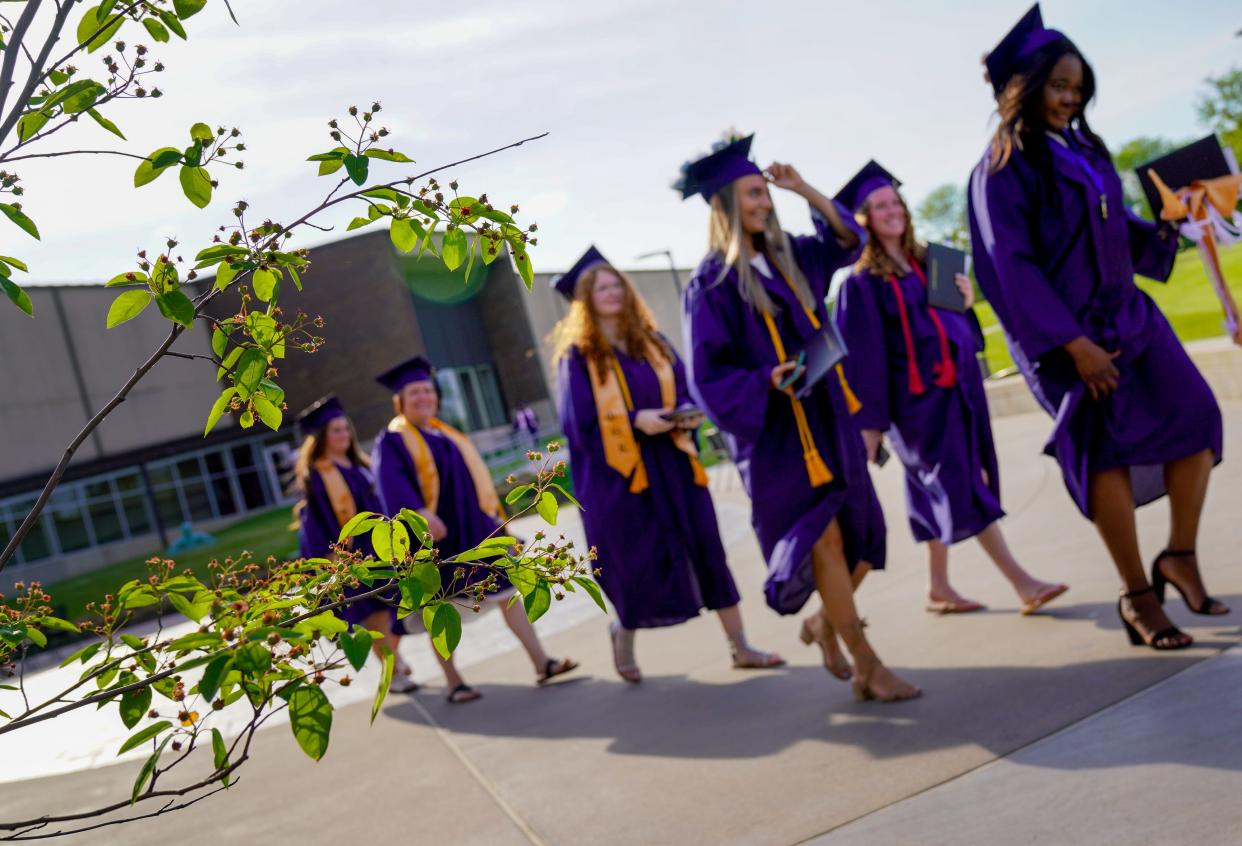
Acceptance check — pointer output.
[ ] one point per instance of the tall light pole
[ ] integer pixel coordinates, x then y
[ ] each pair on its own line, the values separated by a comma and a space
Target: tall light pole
671, 266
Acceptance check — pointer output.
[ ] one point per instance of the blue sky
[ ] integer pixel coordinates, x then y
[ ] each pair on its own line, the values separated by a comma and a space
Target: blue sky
628, 90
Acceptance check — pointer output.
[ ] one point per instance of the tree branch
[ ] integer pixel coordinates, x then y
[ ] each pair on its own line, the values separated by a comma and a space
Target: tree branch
73, 153
36, 69
10, 54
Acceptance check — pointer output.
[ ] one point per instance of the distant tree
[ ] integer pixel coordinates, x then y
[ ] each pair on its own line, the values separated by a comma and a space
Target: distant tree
941, 216
1220, 107
1132, 154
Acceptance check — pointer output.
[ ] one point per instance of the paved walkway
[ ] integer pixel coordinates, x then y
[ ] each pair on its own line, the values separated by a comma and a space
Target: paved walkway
1043, 729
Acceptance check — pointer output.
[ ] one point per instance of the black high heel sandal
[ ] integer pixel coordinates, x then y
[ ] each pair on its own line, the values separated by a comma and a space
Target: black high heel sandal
1136, 637
1159, 581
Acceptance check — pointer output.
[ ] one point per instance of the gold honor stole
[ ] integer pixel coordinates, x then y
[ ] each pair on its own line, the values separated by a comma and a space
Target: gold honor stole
816, 470
484, 487
343, 505
424, 463
613, 405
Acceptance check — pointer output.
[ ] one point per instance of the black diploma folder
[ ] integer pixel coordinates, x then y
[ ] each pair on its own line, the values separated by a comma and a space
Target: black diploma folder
943, 264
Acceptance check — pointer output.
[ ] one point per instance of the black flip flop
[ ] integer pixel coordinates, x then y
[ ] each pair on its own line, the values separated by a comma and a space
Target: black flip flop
551, 671
462, 694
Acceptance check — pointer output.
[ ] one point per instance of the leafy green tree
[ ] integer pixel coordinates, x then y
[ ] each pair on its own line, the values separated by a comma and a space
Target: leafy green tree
941, 216
1220, 107
266, 638
1128, 157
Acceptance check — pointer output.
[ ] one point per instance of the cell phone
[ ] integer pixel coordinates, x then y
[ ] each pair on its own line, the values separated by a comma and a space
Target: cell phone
794, 374
882, 456
681, 413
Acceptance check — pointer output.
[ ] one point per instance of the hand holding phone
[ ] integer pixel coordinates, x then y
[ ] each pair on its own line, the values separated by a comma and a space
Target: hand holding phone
795, 372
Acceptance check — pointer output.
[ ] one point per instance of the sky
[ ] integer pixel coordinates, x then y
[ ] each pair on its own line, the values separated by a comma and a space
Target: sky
626, 89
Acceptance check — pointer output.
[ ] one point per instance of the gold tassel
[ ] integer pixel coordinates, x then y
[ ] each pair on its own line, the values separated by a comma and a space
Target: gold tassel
851, 401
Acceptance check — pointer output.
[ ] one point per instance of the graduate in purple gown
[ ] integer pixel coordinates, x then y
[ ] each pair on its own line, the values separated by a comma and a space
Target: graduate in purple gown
427, 466
915, 371
333, 476
1055, 252
646, 507
753, 304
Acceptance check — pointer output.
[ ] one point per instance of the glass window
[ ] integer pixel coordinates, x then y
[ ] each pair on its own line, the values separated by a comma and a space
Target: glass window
219, 480
167, 502
136, 515
253, 493
469, 391
66, 510
102, 509
195, 489
491, 396
36, 544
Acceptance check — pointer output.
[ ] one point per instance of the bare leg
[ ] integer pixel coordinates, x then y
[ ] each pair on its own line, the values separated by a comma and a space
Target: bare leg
940, 594
519, 624
1112, 503
1187, 481
836, 590
817, 629
1028, 588
744, 655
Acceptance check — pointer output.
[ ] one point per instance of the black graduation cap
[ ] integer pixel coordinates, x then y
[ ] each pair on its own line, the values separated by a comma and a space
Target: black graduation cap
566, 284
416, 369
870, 177
1204, 159
728, 162
1027, 36
319, 414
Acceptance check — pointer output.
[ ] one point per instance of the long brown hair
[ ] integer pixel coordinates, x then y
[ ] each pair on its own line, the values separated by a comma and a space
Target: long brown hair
580, 327
311, 451
1020, 107
875, 259
724, 236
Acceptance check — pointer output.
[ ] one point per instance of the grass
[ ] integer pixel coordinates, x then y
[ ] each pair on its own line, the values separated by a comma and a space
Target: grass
262, 534
1186, 299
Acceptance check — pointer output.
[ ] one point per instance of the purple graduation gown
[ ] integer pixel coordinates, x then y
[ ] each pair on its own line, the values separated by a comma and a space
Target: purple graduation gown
943, 436
1055, 268
729, 372
660, 554
319, 529
458, 506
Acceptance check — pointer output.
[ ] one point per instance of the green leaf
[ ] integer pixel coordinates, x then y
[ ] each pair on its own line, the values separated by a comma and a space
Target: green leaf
127, 306
105, 123
134, 703
186, 8
538, 601
147, 769
201, 132
356, 167
170, 21
220, 752
444, 625
15, 293
158, 30
95, 30
84, 654
416, 521
386, 667
358, 223
265, 284
382, 193
224, 275
522, 578
412, 596
215, 672
144, 735
219, 342
568, 496
37, 637
60, 77
522, 260
250, 370
14, 263
454, 248
195, 609
310, 715
328, 166
77, 97
218, 252
547, 507
357, 646
387, 155
177, 307
336, 154
477, 554
359, 523
13, 213
196, 184
428, 576
590, 586
268, 412
58, 624
229, 361
517, 493
121, 279
253, 659
155, 164
391, 541
402, 233
30, 124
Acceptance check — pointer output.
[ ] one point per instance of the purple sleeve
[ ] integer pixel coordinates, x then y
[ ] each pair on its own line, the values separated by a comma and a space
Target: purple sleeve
1153, 247
579, 418
862, 328
317, 522
679, 377
734, 396
397, 486
1035, 315
821, 255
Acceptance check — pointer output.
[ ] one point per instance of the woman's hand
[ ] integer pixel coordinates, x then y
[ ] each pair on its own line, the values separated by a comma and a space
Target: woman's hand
779, 372
689, 422
967, 289
1095, 366
649, 422
785, 176
872, 438
435, 525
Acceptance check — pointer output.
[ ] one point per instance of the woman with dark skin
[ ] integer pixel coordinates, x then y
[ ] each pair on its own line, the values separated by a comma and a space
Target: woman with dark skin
1055, 252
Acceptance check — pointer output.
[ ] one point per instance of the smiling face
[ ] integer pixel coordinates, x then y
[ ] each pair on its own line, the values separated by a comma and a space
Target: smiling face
886, 214
607, 294
337, 436
1063, 92
754, 204
419, 402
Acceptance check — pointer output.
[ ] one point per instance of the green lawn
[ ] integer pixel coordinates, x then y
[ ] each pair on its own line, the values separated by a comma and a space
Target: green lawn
1187, 300
263, 534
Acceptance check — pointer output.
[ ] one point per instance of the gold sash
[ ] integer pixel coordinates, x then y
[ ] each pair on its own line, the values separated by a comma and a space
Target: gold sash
613, 405
484, 487
816, 470
424, 462
339, 495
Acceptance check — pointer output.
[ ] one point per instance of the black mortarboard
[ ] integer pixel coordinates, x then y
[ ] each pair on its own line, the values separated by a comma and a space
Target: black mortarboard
1026, 37
319, 414
861, 184
728, 161
416, 369
566, 284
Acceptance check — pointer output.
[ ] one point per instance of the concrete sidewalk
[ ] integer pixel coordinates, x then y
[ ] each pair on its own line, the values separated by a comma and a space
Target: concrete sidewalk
1016, 741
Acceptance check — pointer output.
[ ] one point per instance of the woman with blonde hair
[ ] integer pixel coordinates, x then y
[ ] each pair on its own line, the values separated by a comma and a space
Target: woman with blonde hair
626, 413
914, 368
334, 478
754, 305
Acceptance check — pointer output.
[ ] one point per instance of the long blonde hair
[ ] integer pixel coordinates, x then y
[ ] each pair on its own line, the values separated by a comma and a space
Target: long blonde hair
724, 235
311, 451
580, 328
875, 259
